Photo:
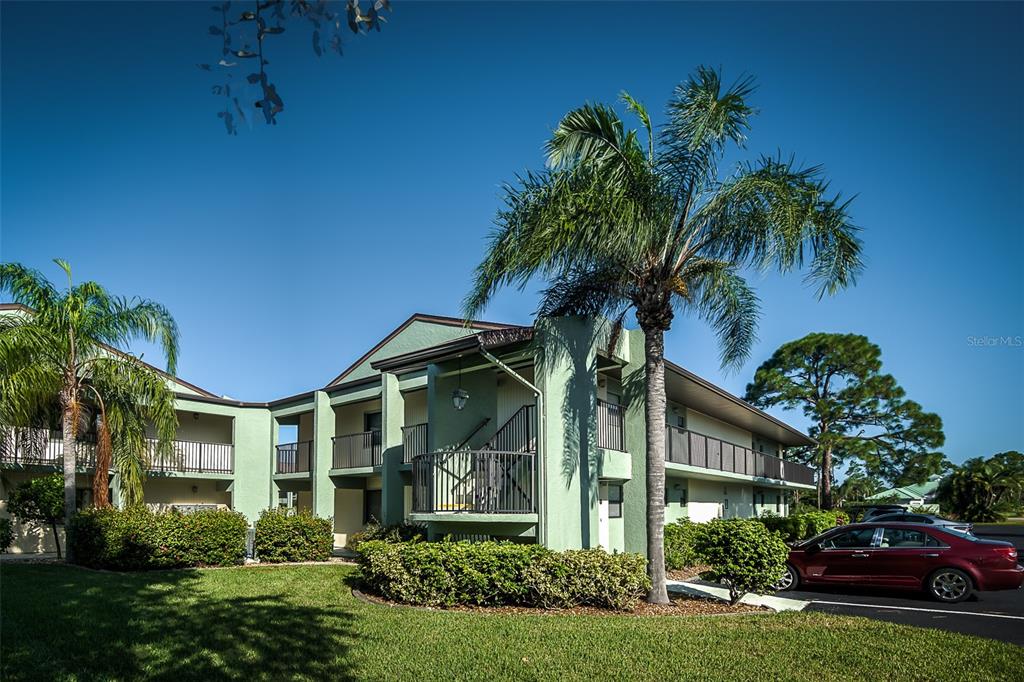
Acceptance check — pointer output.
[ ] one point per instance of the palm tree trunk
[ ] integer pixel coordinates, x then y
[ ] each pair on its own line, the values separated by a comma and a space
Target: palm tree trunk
70, 466
654, 347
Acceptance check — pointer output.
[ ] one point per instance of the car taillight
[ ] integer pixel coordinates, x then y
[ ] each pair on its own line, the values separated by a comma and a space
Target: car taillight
1007, 552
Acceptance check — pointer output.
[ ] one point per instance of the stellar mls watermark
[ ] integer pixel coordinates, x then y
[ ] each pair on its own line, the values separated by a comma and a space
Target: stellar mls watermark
996, 341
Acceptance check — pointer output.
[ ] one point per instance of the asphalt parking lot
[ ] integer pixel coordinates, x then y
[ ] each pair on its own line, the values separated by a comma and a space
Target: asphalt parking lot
997, 615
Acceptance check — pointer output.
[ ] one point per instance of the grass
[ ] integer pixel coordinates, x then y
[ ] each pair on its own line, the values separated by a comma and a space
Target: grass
61, 622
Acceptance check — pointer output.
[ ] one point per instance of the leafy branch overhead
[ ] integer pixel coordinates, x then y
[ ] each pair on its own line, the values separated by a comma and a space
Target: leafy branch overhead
242, 33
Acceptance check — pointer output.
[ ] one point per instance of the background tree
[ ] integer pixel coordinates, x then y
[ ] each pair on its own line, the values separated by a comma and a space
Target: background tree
243, 29
856, 486
61, 361
984, 490
42, 500
860, 415
626, 220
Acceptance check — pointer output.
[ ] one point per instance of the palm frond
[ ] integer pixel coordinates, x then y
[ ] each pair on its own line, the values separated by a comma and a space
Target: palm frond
720, 296
26, 286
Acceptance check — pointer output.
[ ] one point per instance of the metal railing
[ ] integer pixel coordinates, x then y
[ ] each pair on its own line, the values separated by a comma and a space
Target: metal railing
414, 442
610, 420
294, 458
518, 434
194, 457
474, 481
42, 447
696, 449
356, 450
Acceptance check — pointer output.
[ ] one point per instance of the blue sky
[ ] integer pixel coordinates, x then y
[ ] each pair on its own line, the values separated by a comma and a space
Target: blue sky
285, 252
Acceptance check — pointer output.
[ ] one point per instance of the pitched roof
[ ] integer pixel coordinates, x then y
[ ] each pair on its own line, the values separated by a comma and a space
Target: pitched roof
916, 491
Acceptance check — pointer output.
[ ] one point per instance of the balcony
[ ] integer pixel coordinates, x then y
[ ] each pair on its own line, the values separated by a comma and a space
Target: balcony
39, 447
414, 442
357, 450
474, 482
294, 458
610, 420
696, 449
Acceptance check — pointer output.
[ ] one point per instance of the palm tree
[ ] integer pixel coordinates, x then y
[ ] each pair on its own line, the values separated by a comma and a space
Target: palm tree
61, 361
614, 223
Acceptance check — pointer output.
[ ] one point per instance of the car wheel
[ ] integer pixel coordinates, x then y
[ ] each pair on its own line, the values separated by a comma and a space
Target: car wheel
789, 580
950, 585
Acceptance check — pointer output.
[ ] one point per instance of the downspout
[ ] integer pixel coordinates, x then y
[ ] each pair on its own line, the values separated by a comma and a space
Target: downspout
541, 488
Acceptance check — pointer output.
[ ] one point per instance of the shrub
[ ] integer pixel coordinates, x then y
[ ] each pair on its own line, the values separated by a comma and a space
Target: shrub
500, 574
803, 525
679, 544
293, 536
587, 577
400, 532
6, 534
40, 499
140, 539
742, 553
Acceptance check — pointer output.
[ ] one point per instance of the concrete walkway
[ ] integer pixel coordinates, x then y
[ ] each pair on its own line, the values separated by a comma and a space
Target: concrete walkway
705, 591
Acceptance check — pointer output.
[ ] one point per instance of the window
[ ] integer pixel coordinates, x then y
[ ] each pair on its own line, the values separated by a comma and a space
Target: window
371, 505
615, 502
851, 539
372, 421
907, 537
778, 504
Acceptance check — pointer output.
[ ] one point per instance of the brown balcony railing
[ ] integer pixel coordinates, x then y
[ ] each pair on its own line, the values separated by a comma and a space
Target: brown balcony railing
610, 421
414, 442
39, 447
294, 458
474, 481
696, 449
357, 450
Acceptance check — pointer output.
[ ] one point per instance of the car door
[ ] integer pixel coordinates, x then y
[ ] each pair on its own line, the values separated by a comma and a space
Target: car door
843, 557
905, 556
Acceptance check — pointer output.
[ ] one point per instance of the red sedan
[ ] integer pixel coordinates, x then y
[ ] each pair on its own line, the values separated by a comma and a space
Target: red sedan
948, 564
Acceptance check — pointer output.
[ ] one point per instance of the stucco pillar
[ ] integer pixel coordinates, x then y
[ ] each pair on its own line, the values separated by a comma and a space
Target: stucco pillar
568, 379
392, 421
323, 432
634, 492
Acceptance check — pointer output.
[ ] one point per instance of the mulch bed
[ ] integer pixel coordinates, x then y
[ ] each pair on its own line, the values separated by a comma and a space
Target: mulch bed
680, 606
687, 574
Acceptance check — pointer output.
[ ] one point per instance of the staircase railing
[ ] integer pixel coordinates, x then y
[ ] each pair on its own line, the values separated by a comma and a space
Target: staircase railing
517, 434
480, 481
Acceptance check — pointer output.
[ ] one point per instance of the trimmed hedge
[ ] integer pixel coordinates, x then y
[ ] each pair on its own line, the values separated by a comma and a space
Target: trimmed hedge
141, 539
679, 544
399, 532
742, 553
6, 534
283, 536
500, 574
803, 525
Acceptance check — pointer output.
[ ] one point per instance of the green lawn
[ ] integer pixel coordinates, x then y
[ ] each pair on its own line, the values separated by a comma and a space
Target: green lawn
281, 622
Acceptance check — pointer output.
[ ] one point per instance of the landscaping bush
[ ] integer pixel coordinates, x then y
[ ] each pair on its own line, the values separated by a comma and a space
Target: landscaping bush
500, 574
742, 553
679, 544
140, 539
399, 532
293, 536
40, 499
587, 577
6, 534
803, 525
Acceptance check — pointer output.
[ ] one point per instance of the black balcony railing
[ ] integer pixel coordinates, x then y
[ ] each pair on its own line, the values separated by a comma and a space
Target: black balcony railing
414, 442
610, 420
474, 481
357, 450
40, 447
696, 449
294, 458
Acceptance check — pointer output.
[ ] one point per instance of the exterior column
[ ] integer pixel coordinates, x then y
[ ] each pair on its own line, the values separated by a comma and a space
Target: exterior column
115, 490
392, 421
634, 496
323, 456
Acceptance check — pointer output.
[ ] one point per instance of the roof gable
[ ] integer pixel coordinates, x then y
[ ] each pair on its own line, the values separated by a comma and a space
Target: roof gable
419, 331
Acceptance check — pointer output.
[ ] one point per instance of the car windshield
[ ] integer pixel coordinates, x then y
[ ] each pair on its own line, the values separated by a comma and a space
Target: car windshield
962, 533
